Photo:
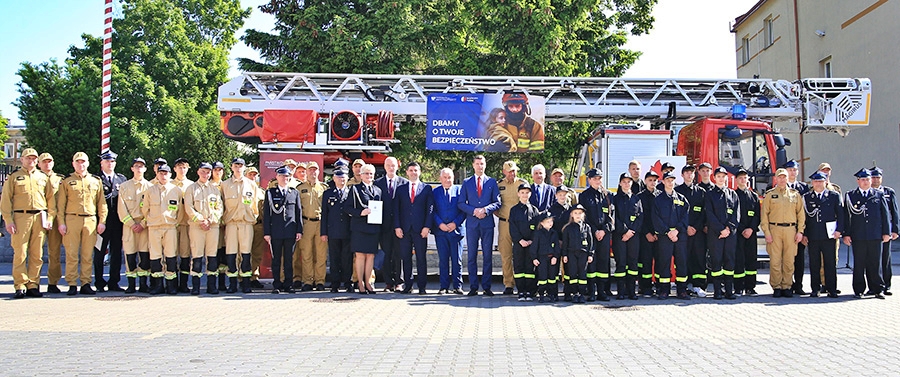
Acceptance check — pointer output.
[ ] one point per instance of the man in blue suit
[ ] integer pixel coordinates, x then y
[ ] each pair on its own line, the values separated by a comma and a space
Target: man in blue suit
543, 195
448, 233
413, 205
868, 226
479, 198
389, 242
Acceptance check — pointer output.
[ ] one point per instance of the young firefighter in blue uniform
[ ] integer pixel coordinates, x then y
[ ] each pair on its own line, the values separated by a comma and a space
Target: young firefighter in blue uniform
598, 214
648, 237
823, 210
521, 227
561, 212
867, 228
577, 251
626, 238
545, 246
745, 264
722, 209
335, 230
696, 242
670, 221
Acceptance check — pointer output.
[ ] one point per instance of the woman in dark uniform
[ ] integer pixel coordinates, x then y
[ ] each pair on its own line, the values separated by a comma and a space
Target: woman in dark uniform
364, 236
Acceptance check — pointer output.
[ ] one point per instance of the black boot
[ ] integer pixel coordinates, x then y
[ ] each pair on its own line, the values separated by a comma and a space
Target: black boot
232, 285
629, 287
717, 288
729, 288
142, 285
603, 290
662, 290
591, 290
183, 282
131, 286
156, 286
195, 285
211, 287
221, 280
245, 273
607, 287
621, 292
171, 286
245, 285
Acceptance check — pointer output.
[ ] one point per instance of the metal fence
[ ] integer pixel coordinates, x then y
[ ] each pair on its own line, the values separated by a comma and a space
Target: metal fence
5, 171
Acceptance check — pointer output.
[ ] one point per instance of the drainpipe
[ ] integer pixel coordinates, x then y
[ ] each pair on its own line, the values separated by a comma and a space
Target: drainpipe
797, 45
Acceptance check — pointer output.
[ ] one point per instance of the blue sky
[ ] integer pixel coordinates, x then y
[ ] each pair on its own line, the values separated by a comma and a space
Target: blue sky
39, 30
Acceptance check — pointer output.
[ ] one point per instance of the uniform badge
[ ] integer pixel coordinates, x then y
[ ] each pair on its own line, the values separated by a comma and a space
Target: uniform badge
584, 242
304, 191
502, 188
173, 205
20, 178
532, 227
73, 183
774, 196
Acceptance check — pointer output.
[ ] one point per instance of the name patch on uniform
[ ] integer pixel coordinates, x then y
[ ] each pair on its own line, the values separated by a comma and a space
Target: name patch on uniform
774, 196
304, 191
729, 211
698, 208
678, 202
751, 213
73, 183
633, 217
605, 210
173, 205
584, 242
532, 227
20, 178
502, 188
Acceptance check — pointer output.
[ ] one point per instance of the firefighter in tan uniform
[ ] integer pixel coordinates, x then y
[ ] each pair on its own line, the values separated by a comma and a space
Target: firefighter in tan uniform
82, 209
181, 168
28, 214
509, 187
54, 239
300, 176
203, 207
241, 211
160, 205
134, 229
357, 164
259, 246
313, 250
783, 223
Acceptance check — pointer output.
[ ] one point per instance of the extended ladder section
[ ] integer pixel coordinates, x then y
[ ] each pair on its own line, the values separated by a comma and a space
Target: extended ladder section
820, 104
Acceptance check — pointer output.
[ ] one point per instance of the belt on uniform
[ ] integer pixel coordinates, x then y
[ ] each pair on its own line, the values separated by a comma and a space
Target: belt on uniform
312, 219
78, 214
783, 224
30, 211
502, 219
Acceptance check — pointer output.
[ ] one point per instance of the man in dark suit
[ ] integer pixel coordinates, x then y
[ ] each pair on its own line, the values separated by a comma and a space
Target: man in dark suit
823, 208
413, 207
894, 218
112, 237
282, 228
479, 198
867, 228
792, 167
389, 242
448, 233
543, 195
336, 231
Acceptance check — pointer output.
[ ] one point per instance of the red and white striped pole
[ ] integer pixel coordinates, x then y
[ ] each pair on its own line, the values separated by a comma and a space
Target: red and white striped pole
107, 77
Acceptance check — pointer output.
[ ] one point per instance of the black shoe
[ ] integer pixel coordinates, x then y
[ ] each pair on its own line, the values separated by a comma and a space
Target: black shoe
751, 292
406, 290
297, 285
857, 295
869, 293
275, 291
320, 287
833, 295
33, 292
823, 289
603, 297
457, 291
306, 288
256, 284
787, 293
171, 287
508, 291
635, 297
156, 286
590, 298
232, 285
541, 299
888, 293
473, 292
73, 290
53, 289
776, 293
195, 285
421, 291
683, 296
212, 287
334, 290
814, 293
115, 288
487, 292
142, 285
288, 289
101, 288
20, 293
567, 297
877, 295
86, 290
730, 296
349, 289
799, 292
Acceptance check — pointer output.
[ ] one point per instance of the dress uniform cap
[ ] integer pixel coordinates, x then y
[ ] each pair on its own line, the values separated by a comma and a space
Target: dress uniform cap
358, 161
668, 175
312, 165
824, 166
165, 168
688, 167
563, 188
251, 170
651, 174
876, 171
863, 173
578, 207
80, 156
720, 169
282, 171
136, 160
238, 160
109, 156
524, 186
29, 152
742, 171
625, 175
817, 176
340, 173
289, 161
544, 215
704, 165
510, 166
791, 164
667, 165
301, 165
160, 161
205, 165
594, 173
557, 170
781, 172
45, 156
181, 160
218, 165
340, 162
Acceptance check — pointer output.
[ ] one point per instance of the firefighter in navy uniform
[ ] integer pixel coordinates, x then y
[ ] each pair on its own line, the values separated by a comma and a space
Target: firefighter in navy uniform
822, 207
335, 229
112, 237
561, 212
745, 264
868, 226
722, 210
704, 172
649, 241
670, 222
545, 247
696, 237
577, 250
894, 218
521, 227
597, 203
626, 237
283, 227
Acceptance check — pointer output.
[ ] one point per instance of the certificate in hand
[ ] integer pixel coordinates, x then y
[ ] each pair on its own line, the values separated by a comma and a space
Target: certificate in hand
377, 207
830, 228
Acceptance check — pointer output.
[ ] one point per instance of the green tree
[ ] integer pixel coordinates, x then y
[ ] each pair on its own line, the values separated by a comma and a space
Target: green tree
3, 136
476, 37
169, 57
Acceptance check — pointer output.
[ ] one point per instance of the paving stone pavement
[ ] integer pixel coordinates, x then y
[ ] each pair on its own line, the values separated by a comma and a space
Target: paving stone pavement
324, 334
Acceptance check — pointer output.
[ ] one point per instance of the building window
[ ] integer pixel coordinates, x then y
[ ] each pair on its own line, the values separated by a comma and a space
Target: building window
826, 68
768, 31
9, 150
745, 50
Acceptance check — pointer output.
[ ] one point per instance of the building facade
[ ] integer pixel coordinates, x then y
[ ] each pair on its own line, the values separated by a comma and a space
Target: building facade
792, 39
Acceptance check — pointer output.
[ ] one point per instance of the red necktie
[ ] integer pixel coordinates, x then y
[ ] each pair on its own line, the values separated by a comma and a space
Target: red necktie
412, 194
479, 185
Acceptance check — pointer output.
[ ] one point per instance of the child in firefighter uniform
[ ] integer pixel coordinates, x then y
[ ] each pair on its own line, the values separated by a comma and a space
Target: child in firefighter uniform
626, 238
160, 206
561, 212
722, 209
670, 221
241, 211
521, 227
203, 208
545, 246
577, 252
134, 233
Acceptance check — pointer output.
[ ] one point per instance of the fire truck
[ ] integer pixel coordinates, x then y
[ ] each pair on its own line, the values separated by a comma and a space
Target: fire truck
727, 122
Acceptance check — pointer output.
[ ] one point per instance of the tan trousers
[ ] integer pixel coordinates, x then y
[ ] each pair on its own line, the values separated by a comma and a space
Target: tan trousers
204, 243
28, 248
314, 253
184, 241
135, 242
238, 238
260, 247
163, 242
781, 252
505, 246
80, 238
54, 252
